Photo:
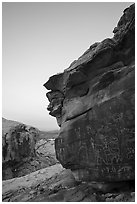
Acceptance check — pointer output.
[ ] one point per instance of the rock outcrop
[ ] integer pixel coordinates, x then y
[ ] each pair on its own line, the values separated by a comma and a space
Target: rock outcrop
45, 150
93, 102
23, 150
17, 144
56, 184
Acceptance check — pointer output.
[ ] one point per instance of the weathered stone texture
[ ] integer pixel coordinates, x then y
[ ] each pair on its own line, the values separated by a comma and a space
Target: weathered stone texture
93, 101
19, 142
17, 146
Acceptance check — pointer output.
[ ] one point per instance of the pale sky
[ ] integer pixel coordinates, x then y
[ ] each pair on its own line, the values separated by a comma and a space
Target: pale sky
42, 39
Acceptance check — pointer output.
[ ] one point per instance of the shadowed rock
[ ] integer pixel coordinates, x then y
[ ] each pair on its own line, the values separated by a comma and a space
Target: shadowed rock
25, 149
93, 102
18, 144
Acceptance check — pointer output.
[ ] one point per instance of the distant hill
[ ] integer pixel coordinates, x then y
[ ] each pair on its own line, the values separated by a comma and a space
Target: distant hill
7, 124
49, 134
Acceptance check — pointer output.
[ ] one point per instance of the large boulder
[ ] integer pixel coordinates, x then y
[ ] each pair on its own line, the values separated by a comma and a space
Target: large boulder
18, 145
25, 149
19, 142
93, 102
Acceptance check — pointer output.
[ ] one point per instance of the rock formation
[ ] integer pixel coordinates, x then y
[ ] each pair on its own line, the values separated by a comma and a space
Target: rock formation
93, 102
56, 184
25, 149
18, 144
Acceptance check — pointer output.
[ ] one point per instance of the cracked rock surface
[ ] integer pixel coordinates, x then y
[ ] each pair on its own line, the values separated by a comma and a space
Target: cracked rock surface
56, 184
24, 151
93, 102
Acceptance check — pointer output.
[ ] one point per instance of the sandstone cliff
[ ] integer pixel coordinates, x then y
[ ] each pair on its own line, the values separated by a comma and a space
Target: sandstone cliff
93, 102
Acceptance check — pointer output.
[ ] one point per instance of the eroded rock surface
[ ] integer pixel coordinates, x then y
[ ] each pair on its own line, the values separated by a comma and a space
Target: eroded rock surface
18, 144
93, 102
56, 184
23, 151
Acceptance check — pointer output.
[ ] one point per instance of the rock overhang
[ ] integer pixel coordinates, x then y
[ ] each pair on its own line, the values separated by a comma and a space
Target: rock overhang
93, 101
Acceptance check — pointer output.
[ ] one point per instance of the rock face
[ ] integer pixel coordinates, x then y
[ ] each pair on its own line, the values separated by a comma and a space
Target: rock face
93, 102
18, 144
45, 153
23, 149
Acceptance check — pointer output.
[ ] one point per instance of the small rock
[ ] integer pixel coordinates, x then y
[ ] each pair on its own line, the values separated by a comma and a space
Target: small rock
133, 194
108, 195
32, 192
109, 199
119, 198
